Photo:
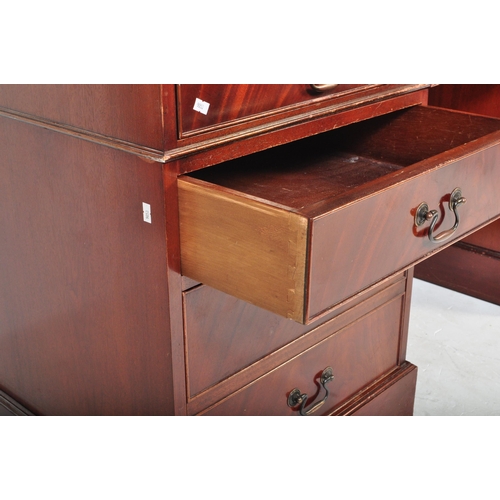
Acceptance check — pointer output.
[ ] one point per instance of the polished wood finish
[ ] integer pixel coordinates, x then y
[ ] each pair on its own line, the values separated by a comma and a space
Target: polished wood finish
271, 228
472, 266
252, 341
83, 309
91, 295
371, 342
95, 315
130, 113
262, 133
143, 119
481, 99
228, 104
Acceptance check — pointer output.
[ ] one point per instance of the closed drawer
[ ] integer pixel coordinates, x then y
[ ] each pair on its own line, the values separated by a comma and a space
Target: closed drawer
248, 342
358, 354
299, 228
217, 326
204, 107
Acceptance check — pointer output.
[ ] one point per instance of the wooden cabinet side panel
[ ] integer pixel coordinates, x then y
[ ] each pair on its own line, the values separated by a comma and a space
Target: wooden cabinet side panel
464, 269
253, 251
84, 328
130, 113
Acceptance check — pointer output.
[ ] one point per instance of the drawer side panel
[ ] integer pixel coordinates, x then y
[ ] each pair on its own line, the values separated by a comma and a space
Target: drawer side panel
240, 246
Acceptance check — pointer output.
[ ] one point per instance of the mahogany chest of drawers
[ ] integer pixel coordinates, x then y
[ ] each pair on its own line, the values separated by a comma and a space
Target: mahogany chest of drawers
225, 249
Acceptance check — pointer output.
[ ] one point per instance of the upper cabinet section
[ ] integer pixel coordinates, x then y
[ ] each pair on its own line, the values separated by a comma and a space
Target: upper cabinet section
201, 123
212, 117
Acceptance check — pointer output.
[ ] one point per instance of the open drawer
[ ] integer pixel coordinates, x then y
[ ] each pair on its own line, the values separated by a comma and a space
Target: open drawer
301, 227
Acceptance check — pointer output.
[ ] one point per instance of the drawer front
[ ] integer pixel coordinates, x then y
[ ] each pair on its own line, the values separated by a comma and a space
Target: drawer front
247, 334
301, 228
204, 107
221, 327
358, 354
383, 237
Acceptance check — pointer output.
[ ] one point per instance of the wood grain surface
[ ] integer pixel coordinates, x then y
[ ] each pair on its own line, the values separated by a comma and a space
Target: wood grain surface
358, 354
84, 328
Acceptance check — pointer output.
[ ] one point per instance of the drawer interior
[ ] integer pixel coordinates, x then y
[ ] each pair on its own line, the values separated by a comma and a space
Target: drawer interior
305, 175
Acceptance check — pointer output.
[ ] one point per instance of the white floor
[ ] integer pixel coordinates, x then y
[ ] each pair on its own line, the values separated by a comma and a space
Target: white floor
454, 340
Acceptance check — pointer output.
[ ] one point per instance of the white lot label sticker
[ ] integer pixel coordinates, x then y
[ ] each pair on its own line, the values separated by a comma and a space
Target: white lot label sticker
146, 212
201, 106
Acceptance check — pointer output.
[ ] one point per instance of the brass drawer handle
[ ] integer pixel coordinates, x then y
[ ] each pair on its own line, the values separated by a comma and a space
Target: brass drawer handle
323, 87
297, 398
423, 214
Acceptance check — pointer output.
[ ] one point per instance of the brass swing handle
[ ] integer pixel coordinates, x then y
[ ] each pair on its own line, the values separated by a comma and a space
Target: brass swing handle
423, 214
323, 87
297, 398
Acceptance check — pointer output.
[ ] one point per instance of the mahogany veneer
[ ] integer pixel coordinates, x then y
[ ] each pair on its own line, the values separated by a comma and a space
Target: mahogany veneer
83, 309
251, 341
129, 113
369, 342
231, 104
96, 317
